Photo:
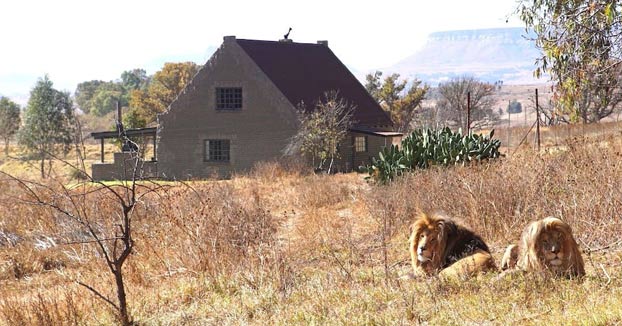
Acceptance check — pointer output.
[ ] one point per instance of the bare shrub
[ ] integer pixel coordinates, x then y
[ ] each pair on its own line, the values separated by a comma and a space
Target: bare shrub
42, 309
219, 231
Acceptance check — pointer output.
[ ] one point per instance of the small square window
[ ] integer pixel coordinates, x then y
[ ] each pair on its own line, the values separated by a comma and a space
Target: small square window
228, 98
217, 150
360, 144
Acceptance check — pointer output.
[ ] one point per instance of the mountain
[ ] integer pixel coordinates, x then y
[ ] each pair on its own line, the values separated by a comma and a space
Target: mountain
487, 54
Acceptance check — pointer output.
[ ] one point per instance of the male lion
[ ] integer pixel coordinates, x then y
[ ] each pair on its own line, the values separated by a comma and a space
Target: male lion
439, 245
546, 245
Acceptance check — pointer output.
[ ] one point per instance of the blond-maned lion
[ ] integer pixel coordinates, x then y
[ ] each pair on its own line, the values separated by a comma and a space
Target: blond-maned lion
546, 245
440, 245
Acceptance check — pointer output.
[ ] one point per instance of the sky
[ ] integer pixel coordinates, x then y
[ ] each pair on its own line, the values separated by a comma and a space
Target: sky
76, 41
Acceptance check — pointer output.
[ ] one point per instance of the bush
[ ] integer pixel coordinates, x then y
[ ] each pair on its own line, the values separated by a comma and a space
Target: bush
515, 107
426, 147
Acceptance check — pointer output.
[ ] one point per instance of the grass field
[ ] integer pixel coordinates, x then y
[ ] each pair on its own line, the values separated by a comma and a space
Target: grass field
280, 246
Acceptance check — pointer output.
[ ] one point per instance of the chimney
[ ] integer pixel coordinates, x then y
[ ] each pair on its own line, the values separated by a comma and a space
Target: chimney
286, 40
229, 38
323, 42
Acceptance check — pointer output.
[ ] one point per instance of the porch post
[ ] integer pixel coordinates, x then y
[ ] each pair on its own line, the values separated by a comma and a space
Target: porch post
102, 150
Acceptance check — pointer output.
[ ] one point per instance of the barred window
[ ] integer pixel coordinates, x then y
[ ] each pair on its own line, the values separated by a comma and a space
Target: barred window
228, 98
360, 143
217, 150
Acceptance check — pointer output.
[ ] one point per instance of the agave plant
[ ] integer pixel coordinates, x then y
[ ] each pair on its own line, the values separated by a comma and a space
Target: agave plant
426, 147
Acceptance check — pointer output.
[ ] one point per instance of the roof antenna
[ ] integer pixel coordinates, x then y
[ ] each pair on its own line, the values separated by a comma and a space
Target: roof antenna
286, 36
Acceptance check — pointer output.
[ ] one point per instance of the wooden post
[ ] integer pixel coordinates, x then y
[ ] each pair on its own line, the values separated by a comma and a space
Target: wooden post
102, 149
155, 158
468, 126
509, 124
537, 121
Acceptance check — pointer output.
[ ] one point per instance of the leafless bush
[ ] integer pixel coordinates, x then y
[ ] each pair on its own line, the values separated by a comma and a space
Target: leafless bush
218, 231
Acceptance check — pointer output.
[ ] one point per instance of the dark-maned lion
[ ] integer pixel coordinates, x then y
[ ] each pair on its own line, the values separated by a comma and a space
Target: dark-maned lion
440, 245
546, 245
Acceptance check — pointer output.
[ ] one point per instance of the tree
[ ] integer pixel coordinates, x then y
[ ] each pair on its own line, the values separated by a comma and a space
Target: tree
452, 103
106, 98
164, 87
134, 79
515, 107
113, 236
48, 121
9, 121
85, 92
580, 49
322, 129
392, 97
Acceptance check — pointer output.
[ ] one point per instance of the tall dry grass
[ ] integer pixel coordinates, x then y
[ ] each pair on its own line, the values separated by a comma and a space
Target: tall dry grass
283, 246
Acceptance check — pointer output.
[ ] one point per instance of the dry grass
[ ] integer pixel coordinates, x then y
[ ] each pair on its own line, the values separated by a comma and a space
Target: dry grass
283, 247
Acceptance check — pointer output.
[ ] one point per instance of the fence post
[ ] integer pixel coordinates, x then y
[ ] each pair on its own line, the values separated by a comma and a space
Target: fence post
468, 126
509, 124
537, 121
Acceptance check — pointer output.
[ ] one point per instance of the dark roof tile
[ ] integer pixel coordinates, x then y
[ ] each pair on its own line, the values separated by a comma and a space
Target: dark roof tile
305, 71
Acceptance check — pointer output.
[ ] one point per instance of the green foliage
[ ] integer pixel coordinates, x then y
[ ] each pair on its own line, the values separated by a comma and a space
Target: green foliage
99, 97
49, 123
106, 98
426, 147
85, 92
580, 50
515, 107
133, 120
134, 79
395, 99
9, 120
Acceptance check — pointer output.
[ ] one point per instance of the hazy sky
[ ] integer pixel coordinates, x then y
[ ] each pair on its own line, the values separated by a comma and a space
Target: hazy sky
75, 41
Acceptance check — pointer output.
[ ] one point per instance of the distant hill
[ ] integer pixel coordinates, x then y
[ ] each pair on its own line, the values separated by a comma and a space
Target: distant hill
487, 54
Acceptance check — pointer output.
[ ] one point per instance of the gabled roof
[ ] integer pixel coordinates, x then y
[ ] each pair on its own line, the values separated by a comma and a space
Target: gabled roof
303, 72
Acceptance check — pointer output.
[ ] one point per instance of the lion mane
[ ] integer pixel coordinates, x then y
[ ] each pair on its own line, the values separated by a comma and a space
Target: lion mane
546, 245
440, 245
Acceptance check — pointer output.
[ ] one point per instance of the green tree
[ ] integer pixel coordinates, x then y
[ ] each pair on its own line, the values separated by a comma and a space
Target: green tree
580, 50
394, 98
9, 121
49, 122
322, 129
164, 87
452, 102
134, 79
514, 107
85, 92
106, 97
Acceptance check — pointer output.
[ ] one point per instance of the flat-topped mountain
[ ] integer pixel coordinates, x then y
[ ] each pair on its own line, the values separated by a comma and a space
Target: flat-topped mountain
487, 54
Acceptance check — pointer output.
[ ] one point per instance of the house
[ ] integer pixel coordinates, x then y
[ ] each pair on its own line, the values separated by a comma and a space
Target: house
240, 108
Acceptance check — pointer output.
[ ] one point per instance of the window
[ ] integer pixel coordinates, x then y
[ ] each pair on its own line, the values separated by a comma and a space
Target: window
217, 150
228, 98
360, 144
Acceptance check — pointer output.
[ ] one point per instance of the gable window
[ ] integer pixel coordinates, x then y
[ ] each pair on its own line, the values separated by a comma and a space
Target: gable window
360, 144
217, 150
228, 98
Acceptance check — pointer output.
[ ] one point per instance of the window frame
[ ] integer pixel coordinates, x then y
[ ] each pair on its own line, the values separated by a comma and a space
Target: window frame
357, 144
229, 102
224, 154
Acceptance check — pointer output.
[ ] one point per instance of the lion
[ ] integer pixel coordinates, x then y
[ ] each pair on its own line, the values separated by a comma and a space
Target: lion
546, 245
441, 246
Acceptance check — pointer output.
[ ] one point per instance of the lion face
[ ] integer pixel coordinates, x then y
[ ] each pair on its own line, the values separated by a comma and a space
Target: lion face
551, 249
548, 245
427, 245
